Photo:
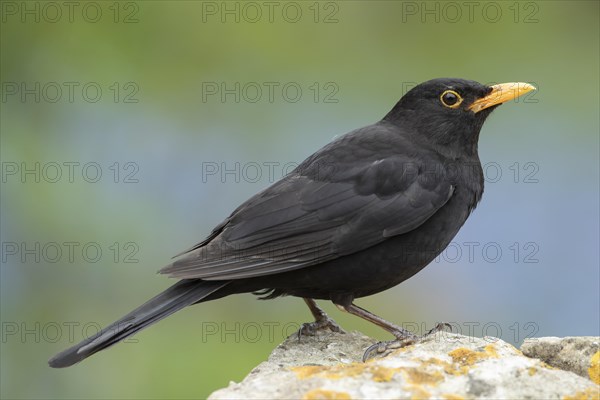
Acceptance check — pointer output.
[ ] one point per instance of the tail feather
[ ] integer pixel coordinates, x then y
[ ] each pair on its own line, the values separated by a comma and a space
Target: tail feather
178, 296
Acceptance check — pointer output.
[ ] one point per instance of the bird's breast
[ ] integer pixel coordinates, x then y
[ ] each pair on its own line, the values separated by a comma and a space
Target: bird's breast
386, 264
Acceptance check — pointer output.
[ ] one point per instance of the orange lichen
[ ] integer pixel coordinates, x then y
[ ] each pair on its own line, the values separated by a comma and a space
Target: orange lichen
420, 377
588, 394
418, 393
594, 369
378, 373
449, 368
383, 374
490, 350
322, 394
449, 396
467, 357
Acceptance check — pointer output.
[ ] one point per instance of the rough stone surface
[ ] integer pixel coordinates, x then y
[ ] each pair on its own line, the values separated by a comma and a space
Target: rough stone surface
576, 354
446, 366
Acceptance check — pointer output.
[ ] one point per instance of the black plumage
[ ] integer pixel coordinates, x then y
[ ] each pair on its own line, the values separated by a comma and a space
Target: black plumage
361, 215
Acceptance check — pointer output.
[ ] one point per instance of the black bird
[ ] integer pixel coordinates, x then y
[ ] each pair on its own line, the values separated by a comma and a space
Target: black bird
366, 212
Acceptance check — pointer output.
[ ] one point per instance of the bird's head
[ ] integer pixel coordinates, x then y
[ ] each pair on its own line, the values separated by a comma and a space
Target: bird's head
449, 113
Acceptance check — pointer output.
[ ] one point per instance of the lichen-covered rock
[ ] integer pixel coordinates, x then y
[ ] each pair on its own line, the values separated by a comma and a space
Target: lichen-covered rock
577, 354
446, 366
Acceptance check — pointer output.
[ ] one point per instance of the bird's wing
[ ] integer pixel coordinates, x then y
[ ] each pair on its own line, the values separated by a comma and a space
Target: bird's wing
302, 221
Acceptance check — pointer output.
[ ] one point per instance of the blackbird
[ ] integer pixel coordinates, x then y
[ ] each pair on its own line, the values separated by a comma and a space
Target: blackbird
364, 213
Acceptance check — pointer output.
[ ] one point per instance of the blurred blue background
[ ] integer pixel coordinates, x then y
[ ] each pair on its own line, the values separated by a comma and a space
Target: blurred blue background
134, 91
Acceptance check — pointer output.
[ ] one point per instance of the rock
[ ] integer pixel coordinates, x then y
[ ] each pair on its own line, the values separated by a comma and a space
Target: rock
446, 366
576, 354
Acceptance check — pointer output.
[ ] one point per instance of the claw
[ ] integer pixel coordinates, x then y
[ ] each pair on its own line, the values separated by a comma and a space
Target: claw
381, 348
385, 348
441, 326
311, 328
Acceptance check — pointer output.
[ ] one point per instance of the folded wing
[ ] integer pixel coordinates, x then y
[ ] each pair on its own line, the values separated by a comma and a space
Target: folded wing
302, 220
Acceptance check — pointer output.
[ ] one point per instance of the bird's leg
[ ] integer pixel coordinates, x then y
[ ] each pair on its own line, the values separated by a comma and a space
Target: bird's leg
403, 337
322, 321
398, 332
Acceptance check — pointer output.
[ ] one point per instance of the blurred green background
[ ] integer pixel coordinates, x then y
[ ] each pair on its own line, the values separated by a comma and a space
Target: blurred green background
147, 111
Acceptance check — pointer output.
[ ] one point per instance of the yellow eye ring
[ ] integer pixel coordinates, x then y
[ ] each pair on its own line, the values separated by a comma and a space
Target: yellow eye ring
451, 99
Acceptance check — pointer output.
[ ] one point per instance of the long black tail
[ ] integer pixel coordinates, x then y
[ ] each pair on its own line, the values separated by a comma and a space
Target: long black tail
178, 296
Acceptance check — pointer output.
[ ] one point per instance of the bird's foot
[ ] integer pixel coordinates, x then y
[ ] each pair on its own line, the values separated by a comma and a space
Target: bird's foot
403, 339
311, 328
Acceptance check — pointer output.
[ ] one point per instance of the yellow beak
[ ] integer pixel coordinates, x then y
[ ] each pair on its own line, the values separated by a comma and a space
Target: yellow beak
500, 94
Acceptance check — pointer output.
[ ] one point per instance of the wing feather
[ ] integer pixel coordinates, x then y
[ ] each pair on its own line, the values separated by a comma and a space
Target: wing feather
302, 220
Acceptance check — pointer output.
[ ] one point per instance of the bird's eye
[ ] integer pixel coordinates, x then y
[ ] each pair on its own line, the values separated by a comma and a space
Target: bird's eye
451, 99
